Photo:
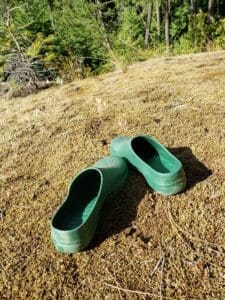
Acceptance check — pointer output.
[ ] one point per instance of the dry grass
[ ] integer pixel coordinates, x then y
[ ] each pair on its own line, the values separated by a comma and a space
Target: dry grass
147, 246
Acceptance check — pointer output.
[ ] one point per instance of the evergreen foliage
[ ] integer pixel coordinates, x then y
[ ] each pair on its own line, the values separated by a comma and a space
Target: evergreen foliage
73, 38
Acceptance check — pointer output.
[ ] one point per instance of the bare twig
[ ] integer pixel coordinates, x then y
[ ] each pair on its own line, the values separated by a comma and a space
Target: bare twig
156, 266
18, 7
161, 279
134, 291
113, 277
117, 284
25, 25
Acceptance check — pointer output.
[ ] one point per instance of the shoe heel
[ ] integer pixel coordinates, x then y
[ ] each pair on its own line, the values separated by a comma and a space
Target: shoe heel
118, 188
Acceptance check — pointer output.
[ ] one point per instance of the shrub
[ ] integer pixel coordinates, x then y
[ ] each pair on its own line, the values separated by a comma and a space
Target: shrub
220, 34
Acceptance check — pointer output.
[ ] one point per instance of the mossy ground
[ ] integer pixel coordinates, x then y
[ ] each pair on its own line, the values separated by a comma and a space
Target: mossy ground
48, 137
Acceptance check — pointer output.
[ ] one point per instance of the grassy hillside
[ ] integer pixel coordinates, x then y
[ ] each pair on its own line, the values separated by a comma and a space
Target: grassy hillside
48, 137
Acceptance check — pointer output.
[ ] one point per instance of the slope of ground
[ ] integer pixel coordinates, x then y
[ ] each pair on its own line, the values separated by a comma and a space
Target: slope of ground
147, 246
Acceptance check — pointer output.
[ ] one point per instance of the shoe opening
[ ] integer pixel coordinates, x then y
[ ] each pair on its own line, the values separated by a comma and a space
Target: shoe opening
80, 201
158, 160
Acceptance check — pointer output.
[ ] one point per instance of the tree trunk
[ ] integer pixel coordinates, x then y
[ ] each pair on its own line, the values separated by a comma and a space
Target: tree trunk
192, 6
211, 11
217, 8
167, 25
106, 41
158, 19
148, 24
50, 8
102, 27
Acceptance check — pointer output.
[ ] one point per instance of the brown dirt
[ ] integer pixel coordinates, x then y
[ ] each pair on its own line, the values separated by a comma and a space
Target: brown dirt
48, 137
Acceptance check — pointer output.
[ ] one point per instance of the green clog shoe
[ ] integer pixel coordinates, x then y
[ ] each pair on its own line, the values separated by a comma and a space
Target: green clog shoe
161, 169
75, 222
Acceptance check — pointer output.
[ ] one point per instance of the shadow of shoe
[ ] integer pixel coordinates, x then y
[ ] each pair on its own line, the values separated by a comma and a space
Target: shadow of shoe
120, 211
195, 170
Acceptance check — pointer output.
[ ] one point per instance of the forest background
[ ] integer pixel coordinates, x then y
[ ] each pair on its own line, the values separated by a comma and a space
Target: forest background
42, 41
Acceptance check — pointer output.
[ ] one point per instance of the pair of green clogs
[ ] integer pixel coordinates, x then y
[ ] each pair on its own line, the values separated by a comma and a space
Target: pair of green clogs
75, 222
